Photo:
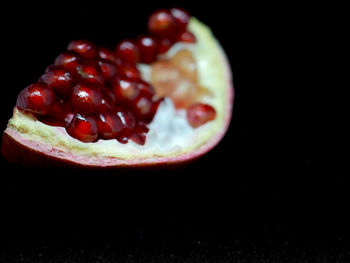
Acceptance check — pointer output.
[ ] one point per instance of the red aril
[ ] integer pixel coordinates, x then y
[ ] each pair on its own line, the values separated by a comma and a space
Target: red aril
199, 114
83, 127
164, 44
90, 71
148, 48
186, 37
127, 51
128, 70
139, 138
68, 60
59, 114
125, 89
108, 100
181, 17
59, 79
108, 68
161, 23
37, 98
86, 97
85, 48
142, 108
109, 125
145, 88
126, 117
107, 54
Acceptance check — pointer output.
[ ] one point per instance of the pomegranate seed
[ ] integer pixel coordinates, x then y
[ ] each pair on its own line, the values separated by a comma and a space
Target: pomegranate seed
125, 89
59, 114
164, 45
140, 128
161, 23
86, 97
138, 138
90, 71
85, 48
198, 114
145, 88
108, 100
37, 98
148, 49
83, 128
142, 108
127, 51
109, 125
59, 79
124, 136
109, 69
186, 36
107, 54
181, 17
126, 117
68, 60
130, 71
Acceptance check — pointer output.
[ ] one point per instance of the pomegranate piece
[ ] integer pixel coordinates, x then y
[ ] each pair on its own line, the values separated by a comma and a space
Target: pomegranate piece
108, 68
164, 45
125, 89
83, 128
85, 48
107, 54
127, 51
128, 70
59, 79
181, 17
161, 23
68, 60
109, 125
37, 98
90, 71
148, 48
86, 97
199, 114
186, 37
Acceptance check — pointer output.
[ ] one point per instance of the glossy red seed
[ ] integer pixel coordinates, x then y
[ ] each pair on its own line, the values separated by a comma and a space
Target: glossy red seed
142, 108
90, 71
181, 17
138, 138
59, 114
107, 54
37, 98
186, 36
128, 70
109, 125
145, 88
85, 48
125, 89
161, 23
199, 114
68, 60
127, 51
86, 98
164, 45
83, 128
59, 79
126, 117
148, 47
108, 68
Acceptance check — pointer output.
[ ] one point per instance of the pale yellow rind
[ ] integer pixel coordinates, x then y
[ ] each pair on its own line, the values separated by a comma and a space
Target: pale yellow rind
212, 70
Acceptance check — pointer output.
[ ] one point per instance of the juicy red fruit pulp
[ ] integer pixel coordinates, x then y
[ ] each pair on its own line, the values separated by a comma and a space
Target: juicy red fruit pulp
98, 93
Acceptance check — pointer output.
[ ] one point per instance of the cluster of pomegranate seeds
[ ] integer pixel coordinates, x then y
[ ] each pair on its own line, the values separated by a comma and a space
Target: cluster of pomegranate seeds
97, 93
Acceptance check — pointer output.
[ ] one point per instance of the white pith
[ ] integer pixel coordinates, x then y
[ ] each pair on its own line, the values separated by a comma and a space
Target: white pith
170, 135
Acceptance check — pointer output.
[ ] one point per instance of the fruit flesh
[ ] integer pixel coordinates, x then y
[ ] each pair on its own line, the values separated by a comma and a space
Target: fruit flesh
213, 73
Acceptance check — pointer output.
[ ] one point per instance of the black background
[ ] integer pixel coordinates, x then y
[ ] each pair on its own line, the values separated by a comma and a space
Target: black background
270, 191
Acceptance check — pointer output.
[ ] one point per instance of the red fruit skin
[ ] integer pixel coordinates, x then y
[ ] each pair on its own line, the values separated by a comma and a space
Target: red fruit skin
161, 23
85, 48
148, 47
37, 98
127, 51
83, 128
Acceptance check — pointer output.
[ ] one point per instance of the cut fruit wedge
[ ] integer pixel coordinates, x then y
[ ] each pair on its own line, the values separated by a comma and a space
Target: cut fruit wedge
171, 140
